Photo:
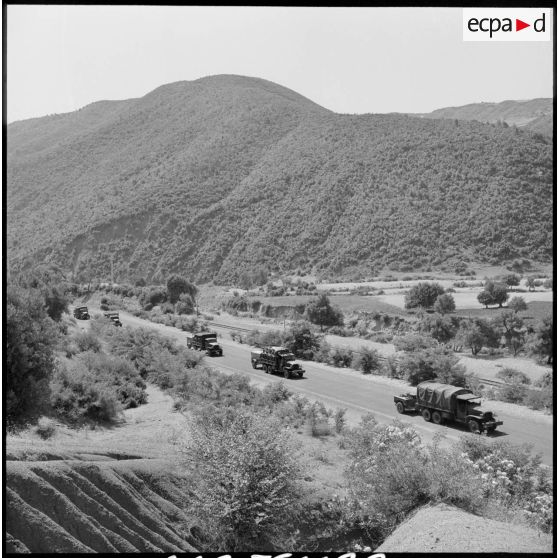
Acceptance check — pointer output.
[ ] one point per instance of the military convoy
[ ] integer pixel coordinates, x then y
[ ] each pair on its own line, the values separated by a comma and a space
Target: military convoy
276, 360
81, 313
441, 402
205, 342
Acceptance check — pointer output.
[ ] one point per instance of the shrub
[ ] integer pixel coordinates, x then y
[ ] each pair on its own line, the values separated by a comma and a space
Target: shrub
444, 304
512, 393
341, 357
79, 395
317, 420
340, 420
367, 360
185, 304
148, 307
432, 364
540, 399
30, 337
246, 480
45, 428
512, 375
87, 341
413, 342
302, 341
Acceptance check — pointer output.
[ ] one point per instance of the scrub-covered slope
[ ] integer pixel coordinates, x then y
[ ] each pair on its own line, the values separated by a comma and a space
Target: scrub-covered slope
225, 174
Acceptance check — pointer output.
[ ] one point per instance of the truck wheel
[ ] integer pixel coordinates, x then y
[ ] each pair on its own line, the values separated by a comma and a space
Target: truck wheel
400, 407
426, 415
437, 417
474, 426
254, 364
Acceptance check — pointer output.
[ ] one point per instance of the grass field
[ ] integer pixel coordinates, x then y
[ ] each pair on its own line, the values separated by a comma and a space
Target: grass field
347, 303
535, 311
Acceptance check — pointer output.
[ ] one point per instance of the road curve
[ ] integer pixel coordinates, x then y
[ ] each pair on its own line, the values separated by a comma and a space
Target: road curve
341, 388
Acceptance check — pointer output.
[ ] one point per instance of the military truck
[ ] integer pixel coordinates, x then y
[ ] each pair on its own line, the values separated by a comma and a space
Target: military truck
114, 317
441, 402
205, 342
276, 360
81, 313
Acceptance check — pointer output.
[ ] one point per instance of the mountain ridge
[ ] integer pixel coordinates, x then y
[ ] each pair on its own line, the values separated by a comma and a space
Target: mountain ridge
225, 174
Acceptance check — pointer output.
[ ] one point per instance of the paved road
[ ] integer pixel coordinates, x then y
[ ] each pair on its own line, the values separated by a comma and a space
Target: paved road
361, 395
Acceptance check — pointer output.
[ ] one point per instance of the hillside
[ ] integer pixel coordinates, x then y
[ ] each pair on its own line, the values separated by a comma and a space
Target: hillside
535, 115
225, 174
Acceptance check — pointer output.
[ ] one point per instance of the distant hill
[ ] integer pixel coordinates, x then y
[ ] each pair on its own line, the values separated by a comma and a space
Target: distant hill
226, 174
535, 115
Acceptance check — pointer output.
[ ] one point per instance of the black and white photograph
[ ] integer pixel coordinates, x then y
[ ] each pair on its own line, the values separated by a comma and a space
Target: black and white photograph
279, 279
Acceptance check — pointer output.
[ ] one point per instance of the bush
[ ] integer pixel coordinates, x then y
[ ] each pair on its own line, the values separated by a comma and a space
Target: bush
79, 395
432, 364
512, 375
302, 341
45, 428
413, 342
367, 360
246, 481
540, 399
30, 337
341, 357
513, 393
317, 420
87, 341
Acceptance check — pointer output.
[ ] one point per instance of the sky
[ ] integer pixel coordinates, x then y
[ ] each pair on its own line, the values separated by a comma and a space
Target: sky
349, 60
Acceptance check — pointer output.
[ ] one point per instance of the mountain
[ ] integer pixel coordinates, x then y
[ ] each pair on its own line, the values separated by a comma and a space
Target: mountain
226, 174
536, 115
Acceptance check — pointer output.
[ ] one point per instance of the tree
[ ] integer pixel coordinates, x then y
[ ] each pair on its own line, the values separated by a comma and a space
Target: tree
517, 304
476, 334
444, 304
247, 479
512, 330
29, 358
423, 295
51, 283
512, 280
177, 285
432, 364
484, 297
530, 282
494, 293
543, 342
302, 341
440, 327
320, 312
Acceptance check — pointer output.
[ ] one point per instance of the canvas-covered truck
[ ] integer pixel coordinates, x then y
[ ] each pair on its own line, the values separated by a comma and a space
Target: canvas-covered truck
114, 317
276, 360
441, 402
81, 313
205, 341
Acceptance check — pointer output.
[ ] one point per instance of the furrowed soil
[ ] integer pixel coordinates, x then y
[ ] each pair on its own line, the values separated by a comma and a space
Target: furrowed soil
113, 489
